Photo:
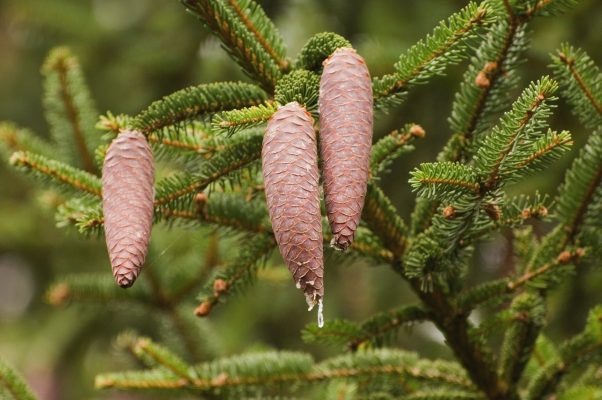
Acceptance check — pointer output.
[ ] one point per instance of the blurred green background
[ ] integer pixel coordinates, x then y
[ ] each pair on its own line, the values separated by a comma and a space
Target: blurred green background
135, 51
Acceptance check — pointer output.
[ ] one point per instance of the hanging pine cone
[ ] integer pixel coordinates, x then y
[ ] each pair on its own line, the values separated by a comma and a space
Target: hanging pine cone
345, 139
290, 173
127, 202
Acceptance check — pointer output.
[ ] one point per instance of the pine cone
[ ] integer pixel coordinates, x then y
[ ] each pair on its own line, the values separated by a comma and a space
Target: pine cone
345, 141
127, 202
291, 180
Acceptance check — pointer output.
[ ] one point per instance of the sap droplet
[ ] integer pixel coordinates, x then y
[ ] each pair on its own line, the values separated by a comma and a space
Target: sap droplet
320, 314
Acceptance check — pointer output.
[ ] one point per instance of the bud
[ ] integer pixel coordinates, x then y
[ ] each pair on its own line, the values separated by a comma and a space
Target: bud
291, 184
449, 212
127, 202
219, 286
345, 141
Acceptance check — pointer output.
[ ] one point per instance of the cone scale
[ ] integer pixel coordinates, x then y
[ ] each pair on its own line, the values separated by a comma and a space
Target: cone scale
346, 117
127, 202
291, 180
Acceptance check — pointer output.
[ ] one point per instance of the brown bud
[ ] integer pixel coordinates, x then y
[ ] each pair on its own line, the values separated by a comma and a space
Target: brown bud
346, 117
219, 286
526, 213
490, 67
449, 212
494, 211
58, 294
417, 131
127, 202
482, 80
542, 212
579, 252
203, 309
291, 182
564, 257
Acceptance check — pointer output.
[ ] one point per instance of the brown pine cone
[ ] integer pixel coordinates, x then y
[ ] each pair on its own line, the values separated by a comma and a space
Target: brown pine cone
291, 180
127, 202
345, 140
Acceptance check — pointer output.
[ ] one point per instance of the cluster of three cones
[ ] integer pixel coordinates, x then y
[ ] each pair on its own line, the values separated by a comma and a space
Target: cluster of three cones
290, 169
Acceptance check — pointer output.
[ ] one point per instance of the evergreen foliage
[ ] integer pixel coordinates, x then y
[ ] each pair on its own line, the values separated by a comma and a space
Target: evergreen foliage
211, 179
12, 386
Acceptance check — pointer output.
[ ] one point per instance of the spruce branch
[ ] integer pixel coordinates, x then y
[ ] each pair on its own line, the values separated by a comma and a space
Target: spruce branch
69, 109
579, 197
145, 348
581, 82
584, 348
194, 102
66, 175
241, 151
527, 318
234, 120
252, 373
244, 40
390, 147
497, 157
237, 275
444, 181
95, 289
260, 25
14, 138
382, 218
370, 333
12, 384
446, 45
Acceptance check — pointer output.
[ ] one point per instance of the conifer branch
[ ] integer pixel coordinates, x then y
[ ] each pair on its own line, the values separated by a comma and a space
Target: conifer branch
144, 347
65, 174
581, 80
582, 183
241, 152
95, 289
234, 120
241, 42
382, 218
14, 138
194, 102
254, 18
238, 274
430, 56
390, 147
242, 374
583, 348
69, 107
370, 333
527, 318
13, 384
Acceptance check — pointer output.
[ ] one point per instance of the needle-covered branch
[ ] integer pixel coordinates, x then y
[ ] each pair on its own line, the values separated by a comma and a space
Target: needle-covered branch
69, 109
581, 83
12, 384
579, 351
67, 176
445, 46
247, 34
373, 332
194, 102
264, 372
